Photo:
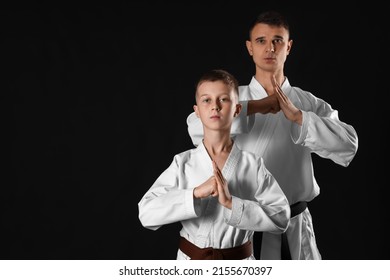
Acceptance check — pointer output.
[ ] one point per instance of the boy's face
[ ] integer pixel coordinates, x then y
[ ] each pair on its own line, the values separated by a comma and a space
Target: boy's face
216, 105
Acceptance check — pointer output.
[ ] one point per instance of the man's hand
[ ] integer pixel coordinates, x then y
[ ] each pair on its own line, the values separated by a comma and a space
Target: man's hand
269, 104
291, 112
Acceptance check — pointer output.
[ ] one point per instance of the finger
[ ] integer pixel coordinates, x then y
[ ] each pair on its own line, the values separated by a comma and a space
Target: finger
273, 80
217, 171
281, 94
219, 176
214, 193
221, 186
278, 90
213, 190
215, 166
220, 189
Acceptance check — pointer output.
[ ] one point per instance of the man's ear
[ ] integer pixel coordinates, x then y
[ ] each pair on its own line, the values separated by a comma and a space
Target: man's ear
249, 47
289, 46
196, 110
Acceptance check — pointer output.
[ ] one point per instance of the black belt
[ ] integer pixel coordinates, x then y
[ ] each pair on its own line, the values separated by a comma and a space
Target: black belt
296, 209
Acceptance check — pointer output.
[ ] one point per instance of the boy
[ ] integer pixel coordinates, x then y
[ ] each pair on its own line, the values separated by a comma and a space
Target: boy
219, 193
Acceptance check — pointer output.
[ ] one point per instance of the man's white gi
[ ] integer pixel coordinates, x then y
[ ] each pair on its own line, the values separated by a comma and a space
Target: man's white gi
286, 149
258, 202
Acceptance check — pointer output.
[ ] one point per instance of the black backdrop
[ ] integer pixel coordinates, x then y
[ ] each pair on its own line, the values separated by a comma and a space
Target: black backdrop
98, 97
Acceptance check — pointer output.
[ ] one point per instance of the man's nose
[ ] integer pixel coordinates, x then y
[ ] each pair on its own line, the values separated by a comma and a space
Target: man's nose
271, 47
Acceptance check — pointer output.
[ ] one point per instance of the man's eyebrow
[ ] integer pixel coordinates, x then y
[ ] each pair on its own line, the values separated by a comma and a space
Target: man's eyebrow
275, 37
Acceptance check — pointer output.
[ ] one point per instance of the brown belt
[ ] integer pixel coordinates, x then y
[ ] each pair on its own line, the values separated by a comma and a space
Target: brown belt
195, 253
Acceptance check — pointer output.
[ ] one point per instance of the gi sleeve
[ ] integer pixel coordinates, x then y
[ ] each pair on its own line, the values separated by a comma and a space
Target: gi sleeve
165, 202
323, 132
269, 211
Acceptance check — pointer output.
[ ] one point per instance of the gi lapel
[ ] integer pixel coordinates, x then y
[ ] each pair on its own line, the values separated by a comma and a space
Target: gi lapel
212, 203
266, 132
268, 129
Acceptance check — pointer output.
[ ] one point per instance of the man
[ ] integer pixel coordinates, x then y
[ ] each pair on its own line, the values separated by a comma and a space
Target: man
284, 125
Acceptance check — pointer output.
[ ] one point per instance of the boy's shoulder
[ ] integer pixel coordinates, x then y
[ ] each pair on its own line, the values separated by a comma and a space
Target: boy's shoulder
188, 154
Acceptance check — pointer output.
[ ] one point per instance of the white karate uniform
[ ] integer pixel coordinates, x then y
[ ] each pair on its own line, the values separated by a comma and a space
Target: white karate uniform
286, 149
258, 202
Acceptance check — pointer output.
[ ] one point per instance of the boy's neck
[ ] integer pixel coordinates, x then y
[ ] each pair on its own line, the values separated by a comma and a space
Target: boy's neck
218, 147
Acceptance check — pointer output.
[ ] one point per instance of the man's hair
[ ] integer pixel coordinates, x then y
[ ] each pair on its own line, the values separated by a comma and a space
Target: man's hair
272, 18
219, 75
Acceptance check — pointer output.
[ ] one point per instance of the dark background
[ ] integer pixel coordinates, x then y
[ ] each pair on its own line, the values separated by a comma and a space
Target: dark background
98, 97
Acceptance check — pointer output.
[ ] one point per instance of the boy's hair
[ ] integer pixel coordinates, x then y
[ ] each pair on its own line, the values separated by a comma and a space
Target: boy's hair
272, 18
219, 75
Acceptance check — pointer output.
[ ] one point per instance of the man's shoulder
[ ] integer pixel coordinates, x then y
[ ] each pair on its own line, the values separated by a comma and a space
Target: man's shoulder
304, 96
244, 92
243, 87
250, 156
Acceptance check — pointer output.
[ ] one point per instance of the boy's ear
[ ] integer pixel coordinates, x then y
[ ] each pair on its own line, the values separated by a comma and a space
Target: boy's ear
238, 110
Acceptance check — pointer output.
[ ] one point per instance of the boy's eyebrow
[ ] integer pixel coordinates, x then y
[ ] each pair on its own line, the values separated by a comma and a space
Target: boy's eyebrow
221, 94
